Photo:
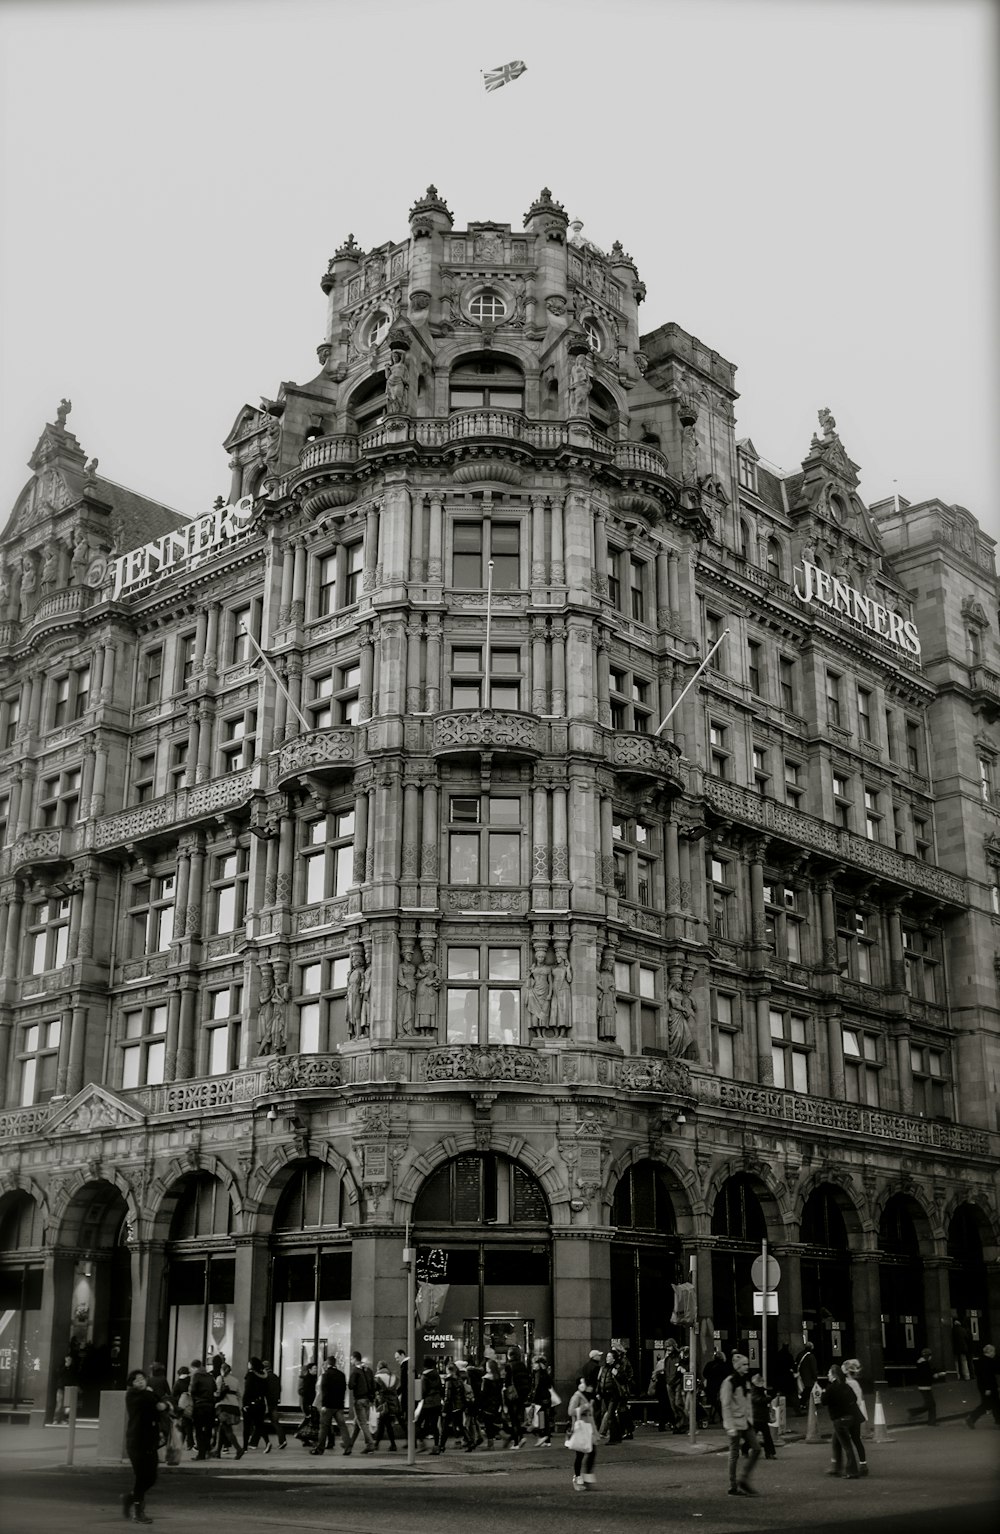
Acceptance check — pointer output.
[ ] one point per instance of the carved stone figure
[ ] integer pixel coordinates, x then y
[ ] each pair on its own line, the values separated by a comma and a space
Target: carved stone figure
539, 994
607, 1000
80, 561
5, 591
681, 1017
396, 385
29, 582
579, 386
358, 995
428, 984
560, 1008
406, 989
274, 997
50, 565
827, 422
689, 453
63, 410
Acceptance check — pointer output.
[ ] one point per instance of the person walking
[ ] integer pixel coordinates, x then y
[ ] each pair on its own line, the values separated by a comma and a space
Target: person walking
582, 1438
961, 1346
713, 1374
361, 1384
202, 1389
332, 1395
429, 1406
272, 1395
541, 1401
852, 1374
256, 1420
737, 1420
491, 1401
228, 1412
986, 1383
925, 1385
452, 1407
761, 1396
184, 1407
842, 1405
807, 1370
160, 1386
142, 1440
307, 1401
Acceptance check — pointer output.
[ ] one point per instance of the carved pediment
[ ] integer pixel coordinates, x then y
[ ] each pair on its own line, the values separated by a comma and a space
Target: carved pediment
94, 1108
248, 421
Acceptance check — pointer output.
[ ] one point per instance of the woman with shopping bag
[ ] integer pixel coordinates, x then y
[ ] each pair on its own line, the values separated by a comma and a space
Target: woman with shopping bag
581, 1436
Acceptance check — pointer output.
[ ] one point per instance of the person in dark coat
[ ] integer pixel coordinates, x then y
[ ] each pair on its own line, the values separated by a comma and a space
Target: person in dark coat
987, 1385
256, 1413
272, 1394
332, 1397
142, 1442
307, 1401
925, 1385
784, 1375
713, 1374
761, 1396
541, 1397
808, 1372
202, 1388
431, 1401
842, 1405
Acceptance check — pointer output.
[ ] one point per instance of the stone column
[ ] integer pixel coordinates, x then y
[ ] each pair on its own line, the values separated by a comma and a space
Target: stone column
12, 943
584, 849
600, 568
97, 678
429, 856
192, 916
414, 646
300, 574
539, 694
897, 958
280, 717
557, 575
835, 1054
250, 1337
212, 639
392, 667
293, 671
606, 868
937, 1307
560, 840
558, 653
98, 792
828, 924
541, 895
370, 551
108, 687
603, 689
173, 1029
411, 832
182, 889
432, 666
77, 1051
200, 639
367, 682
904, 1066
673, 582
866, 1293
285, 597
62, 1059
790, 1294
186, 1031
765, 1063
663, 609
581, 1298
417, 562
538, 564
206, 712
286, 860
757, 913
75, 912
671, 849
88, 915
360, 836
435, 541
194, 733
147, 1324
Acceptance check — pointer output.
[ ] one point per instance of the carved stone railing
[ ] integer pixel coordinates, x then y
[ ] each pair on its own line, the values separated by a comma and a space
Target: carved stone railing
52, 845
487, 729
174, 809
648, 1074
289, 1073
644, 755
469, 1062
317, 749
201, 1095
741, 804
466, 425
824, 1113
73, 600
25, 1121
981, 679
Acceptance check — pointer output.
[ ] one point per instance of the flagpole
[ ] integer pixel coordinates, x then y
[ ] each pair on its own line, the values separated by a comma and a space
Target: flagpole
305, 723
690, 684
489, 620
693, 1352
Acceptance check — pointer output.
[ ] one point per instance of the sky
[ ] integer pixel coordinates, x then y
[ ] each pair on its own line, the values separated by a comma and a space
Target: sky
808, 186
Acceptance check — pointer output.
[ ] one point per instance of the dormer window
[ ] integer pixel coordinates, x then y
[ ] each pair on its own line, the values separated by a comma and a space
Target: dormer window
485, 383
747, 473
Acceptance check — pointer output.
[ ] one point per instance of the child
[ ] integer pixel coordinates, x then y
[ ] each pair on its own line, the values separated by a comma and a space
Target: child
761, 1396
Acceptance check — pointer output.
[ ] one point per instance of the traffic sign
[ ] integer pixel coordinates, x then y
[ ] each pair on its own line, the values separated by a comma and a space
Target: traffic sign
773, 1274
758, 1304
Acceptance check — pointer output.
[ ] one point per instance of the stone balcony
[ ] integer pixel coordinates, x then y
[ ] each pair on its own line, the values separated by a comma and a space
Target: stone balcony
835, 843
322, 754
37, 849
503, 732
644, 757
162, 816
985, 688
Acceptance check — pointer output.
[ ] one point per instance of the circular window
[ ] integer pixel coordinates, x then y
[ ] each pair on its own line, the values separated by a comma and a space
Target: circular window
487, 308
377, 328
593, 333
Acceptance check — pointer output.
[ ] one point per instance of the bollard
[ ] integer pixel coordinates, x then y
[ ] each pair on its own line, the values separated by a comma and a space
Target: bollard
812, 1426
72, 1392
882, 1434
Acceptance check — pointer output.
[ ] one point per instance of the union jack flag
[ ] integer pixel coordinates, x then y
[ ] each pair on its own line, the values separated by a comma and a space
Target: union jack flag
494, 78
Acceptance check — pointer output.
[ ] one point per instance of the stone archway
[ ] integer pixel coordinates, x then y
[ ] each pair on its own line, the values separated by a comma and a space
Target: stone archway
93, 1289
646, 1260
904, 1241
22, 1238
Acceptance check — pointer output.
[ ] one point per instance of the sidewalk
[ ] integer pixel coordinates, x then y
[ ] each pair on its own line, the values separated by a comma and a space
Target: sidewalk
31, 1448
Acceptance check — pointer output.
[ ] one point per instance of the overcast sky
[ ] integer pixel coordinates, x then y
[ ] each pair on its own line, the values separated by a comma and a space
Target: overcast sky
808, 186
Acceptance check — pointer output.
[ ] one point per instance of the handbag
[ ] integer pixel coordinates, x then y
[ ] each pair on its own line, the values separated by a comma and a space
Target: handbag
581, 1438
555, 1399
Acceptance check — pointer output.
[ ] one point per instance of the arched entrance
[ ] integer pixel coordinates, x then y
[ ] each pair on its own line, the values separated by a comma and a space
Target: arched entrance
645, 1261
484, 1261
310, 1273
21, 1249
739, 1225
93, 1290
901, 1280
827, 1301
968, 1233
201, 1272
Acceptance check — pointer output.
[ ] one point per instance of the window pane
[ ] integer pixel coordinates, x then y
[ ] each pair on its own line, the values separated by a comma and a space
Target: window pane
465, 809
309, 1026
777, 1025
505, 859
53, 1031
504, 964
464, 859
133, 1025
311, 979
647, 982
158, 1020
466, 695
724, 1050
218, 1051
463, 964
220, 1004
62, 946
468, 537
130, 1066
343, 870
800, 1072
504, 1017
463, 1025
778, 1062
164, 926
623, 976
339, 970
797, 1030
505, 812
851, 1043
28, 1083
227, 910
154, 1064
38, 953
315, 878
723, 1009
466, 660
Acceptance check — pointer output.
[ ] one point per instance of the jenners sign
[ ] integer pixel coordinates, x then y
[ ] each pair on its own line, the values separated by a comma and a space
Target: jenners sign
185, 546
841, 597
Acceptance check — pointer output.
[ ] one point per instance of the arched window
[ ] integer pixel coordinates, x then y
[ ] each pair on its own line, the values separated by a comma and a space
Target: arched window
642, 1201
481, 1190
314, 1196
737, 1212
376, 329
745, 539
20, 1223
822, 1222
897, 1234
487, 307
368, 403
594, 334
603, 411
204, 1208
775, 564
486, 383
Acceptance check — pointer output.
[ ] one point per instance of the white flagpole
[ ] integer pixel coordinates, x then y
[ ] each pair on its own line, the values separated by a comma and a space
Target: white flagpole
690, 684
305, 723
489, 619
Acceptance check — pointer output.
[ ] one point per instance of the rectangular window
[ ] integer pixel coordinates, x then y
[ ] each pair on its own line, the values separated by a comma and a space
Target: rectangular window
328, 856
484, 839
986, 779
59, 801
747, 471
638, 1008
4, 818
630, 700
143, 777
834, 709
718, 747
241, 630
635, 859
223, 1030
469, 687
913, 757
783, 922
754, 650
60, 702
789, 1050
48, 935
340, 578
150, 915
38, 1056
228, 891
861, 1066
475, 543
237, 747
786, 683
857, 945
891, 735
151, 676
142, 1047
841, 800
177, 771
483, 995
924, 973
335, 696
864, 713
873, 815
715, 627
922, 838
761, 776
724, 1012
11, 719
321, 1005
186, 647
793, 783
932, 1097
720, 896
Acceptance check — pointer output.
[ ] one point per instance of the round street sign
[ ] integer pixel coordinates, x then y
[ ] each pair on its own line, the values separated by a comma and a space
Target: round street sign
757, 1273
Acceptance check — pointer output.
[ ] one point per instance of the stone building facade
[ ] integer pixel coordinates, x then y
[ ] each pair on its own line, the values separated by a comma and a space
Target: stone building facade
350, 885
